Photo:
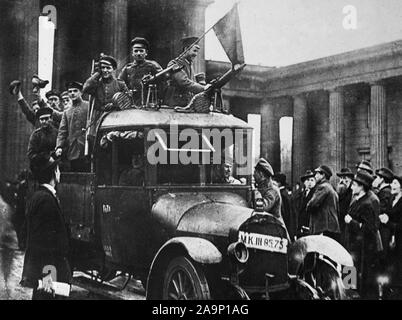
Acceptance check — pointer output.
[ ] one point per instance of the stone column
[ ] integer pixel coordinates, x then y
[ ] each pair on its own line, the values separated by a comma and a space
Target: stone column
300, 154
270, 143
336, 129
378, 126
19, 42
115, 26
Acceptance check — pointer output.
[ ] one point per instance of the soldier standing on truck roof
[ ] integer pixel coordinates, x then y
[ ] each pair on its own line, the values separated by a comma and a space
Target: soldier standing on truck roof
103, 85
182, 85
134, 72
71, 137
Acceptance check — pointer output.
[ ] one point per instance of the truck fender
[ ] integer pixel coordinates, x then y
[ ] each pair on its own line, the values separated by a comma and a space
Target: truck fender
200, 250
321, 245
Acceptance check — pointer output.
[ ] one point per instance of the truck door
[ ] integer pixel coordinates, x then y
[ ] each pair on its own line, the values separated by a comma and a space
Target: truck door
121, 200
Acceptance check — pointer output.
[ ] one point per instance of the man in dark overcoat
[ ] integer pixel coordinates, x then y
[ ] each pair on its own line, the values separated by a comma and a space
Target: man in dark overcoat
71, 136
300, 203
47, 247
323, 208
362, 223
344, 190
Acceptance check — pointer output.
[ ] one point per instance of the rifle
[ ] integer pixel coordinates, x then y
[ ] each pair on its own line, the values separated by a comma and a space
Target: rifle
169, 70
89, 115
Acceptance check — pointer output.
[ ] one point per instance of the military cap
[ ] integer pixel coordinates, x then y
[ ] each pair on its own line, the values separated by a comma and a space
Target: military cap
281, 178
44, 111
52, 93
74, 84
325, 170
142, 41
108, 60
345, 172
364, 178
264, 166
64, 93
14, 87
188, 41
385, 173
308, 174
365, 165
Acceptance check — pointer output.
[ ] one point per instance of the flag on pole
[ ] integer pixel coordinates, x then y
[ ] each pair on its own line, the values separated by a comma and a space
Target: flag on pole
228, 32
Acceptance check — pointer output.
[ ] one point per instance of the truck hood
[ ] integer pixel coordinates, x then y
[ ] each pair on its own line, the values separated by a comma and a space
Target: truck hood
201, 213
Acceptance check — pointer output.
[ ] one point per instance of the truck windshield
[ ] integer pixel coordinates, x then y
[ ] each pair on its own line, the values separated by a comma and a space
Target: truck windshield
201, 157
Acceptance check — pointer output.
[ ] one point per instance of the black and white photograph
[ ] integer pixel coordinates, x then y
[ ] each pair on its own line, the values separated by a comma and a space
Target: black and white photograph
216, 150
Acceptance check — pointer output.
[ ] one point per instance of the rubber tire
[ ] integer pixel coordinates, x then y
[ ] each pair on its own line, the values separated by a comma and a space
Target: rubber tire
194, 275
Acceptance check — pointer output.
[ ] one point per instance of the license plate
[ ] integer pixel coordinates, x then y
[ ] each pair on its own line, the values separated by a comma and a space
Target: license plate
263, 242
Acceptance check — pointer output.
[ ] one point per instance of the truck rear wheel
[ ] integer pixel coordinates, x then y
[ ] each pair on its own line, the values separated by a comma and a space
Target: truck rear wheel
185, 280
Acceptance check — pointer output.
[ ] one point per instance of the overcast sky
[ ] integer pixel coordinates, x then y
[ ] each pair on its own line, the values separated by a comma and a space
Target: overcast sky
284, 32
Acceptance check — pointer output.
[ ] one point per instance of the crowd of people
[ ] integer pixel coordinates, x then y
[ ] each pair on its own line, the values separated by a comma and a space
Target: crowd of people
363, 213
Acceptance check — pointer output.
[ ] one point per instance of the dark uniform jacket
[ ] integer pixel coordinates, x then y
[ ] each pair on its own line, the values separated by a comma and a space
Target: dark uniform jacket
132, 74
182, 85
31, 117
47, 239
71, 135
323, 209
301, 201
272, 198
103, 91
41, 144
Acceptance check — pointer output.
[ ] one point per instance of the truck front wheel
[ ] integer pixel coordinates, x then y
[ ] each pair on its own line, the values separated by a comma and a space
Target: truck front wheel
185, 280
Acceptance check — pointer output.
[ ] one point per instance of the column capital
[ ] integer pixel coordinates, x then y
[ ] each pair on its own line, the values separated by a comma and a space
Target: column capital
301, 95
335, 89
373, 83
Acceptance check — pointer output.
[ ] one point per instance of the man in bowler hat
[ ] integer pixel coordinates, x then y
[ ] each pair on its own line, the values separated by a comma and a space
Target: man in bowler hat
141, 67
362, 224
323, 208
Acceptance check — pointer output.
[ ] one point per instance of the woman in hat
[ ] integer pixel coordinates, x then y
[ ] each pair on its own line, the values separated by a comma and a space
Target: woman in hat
361, 231
392, 220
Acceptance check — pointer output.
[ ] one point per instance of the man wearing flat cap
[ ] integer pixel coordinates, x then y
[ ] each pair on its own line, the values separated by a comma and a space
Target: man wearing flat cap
134, 72
183, 85
65, 100
103, 85
362, 232
323, 208
344, 190
71, 137
54, 100
43, 140
270, 193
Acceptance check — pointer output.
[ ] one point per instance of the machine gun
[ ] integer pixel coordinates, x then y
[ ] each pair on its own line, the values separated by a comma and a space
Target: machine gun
211, 98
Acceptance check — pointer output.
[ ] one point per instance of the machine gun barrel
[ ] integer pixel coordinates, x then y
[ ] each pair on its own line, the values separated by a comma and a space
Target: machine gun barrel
224, 79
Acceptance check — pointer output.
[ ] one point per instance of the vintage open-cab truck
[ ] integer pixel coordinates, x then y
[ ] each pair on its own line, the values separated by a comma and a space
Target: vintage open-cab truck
177, 228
